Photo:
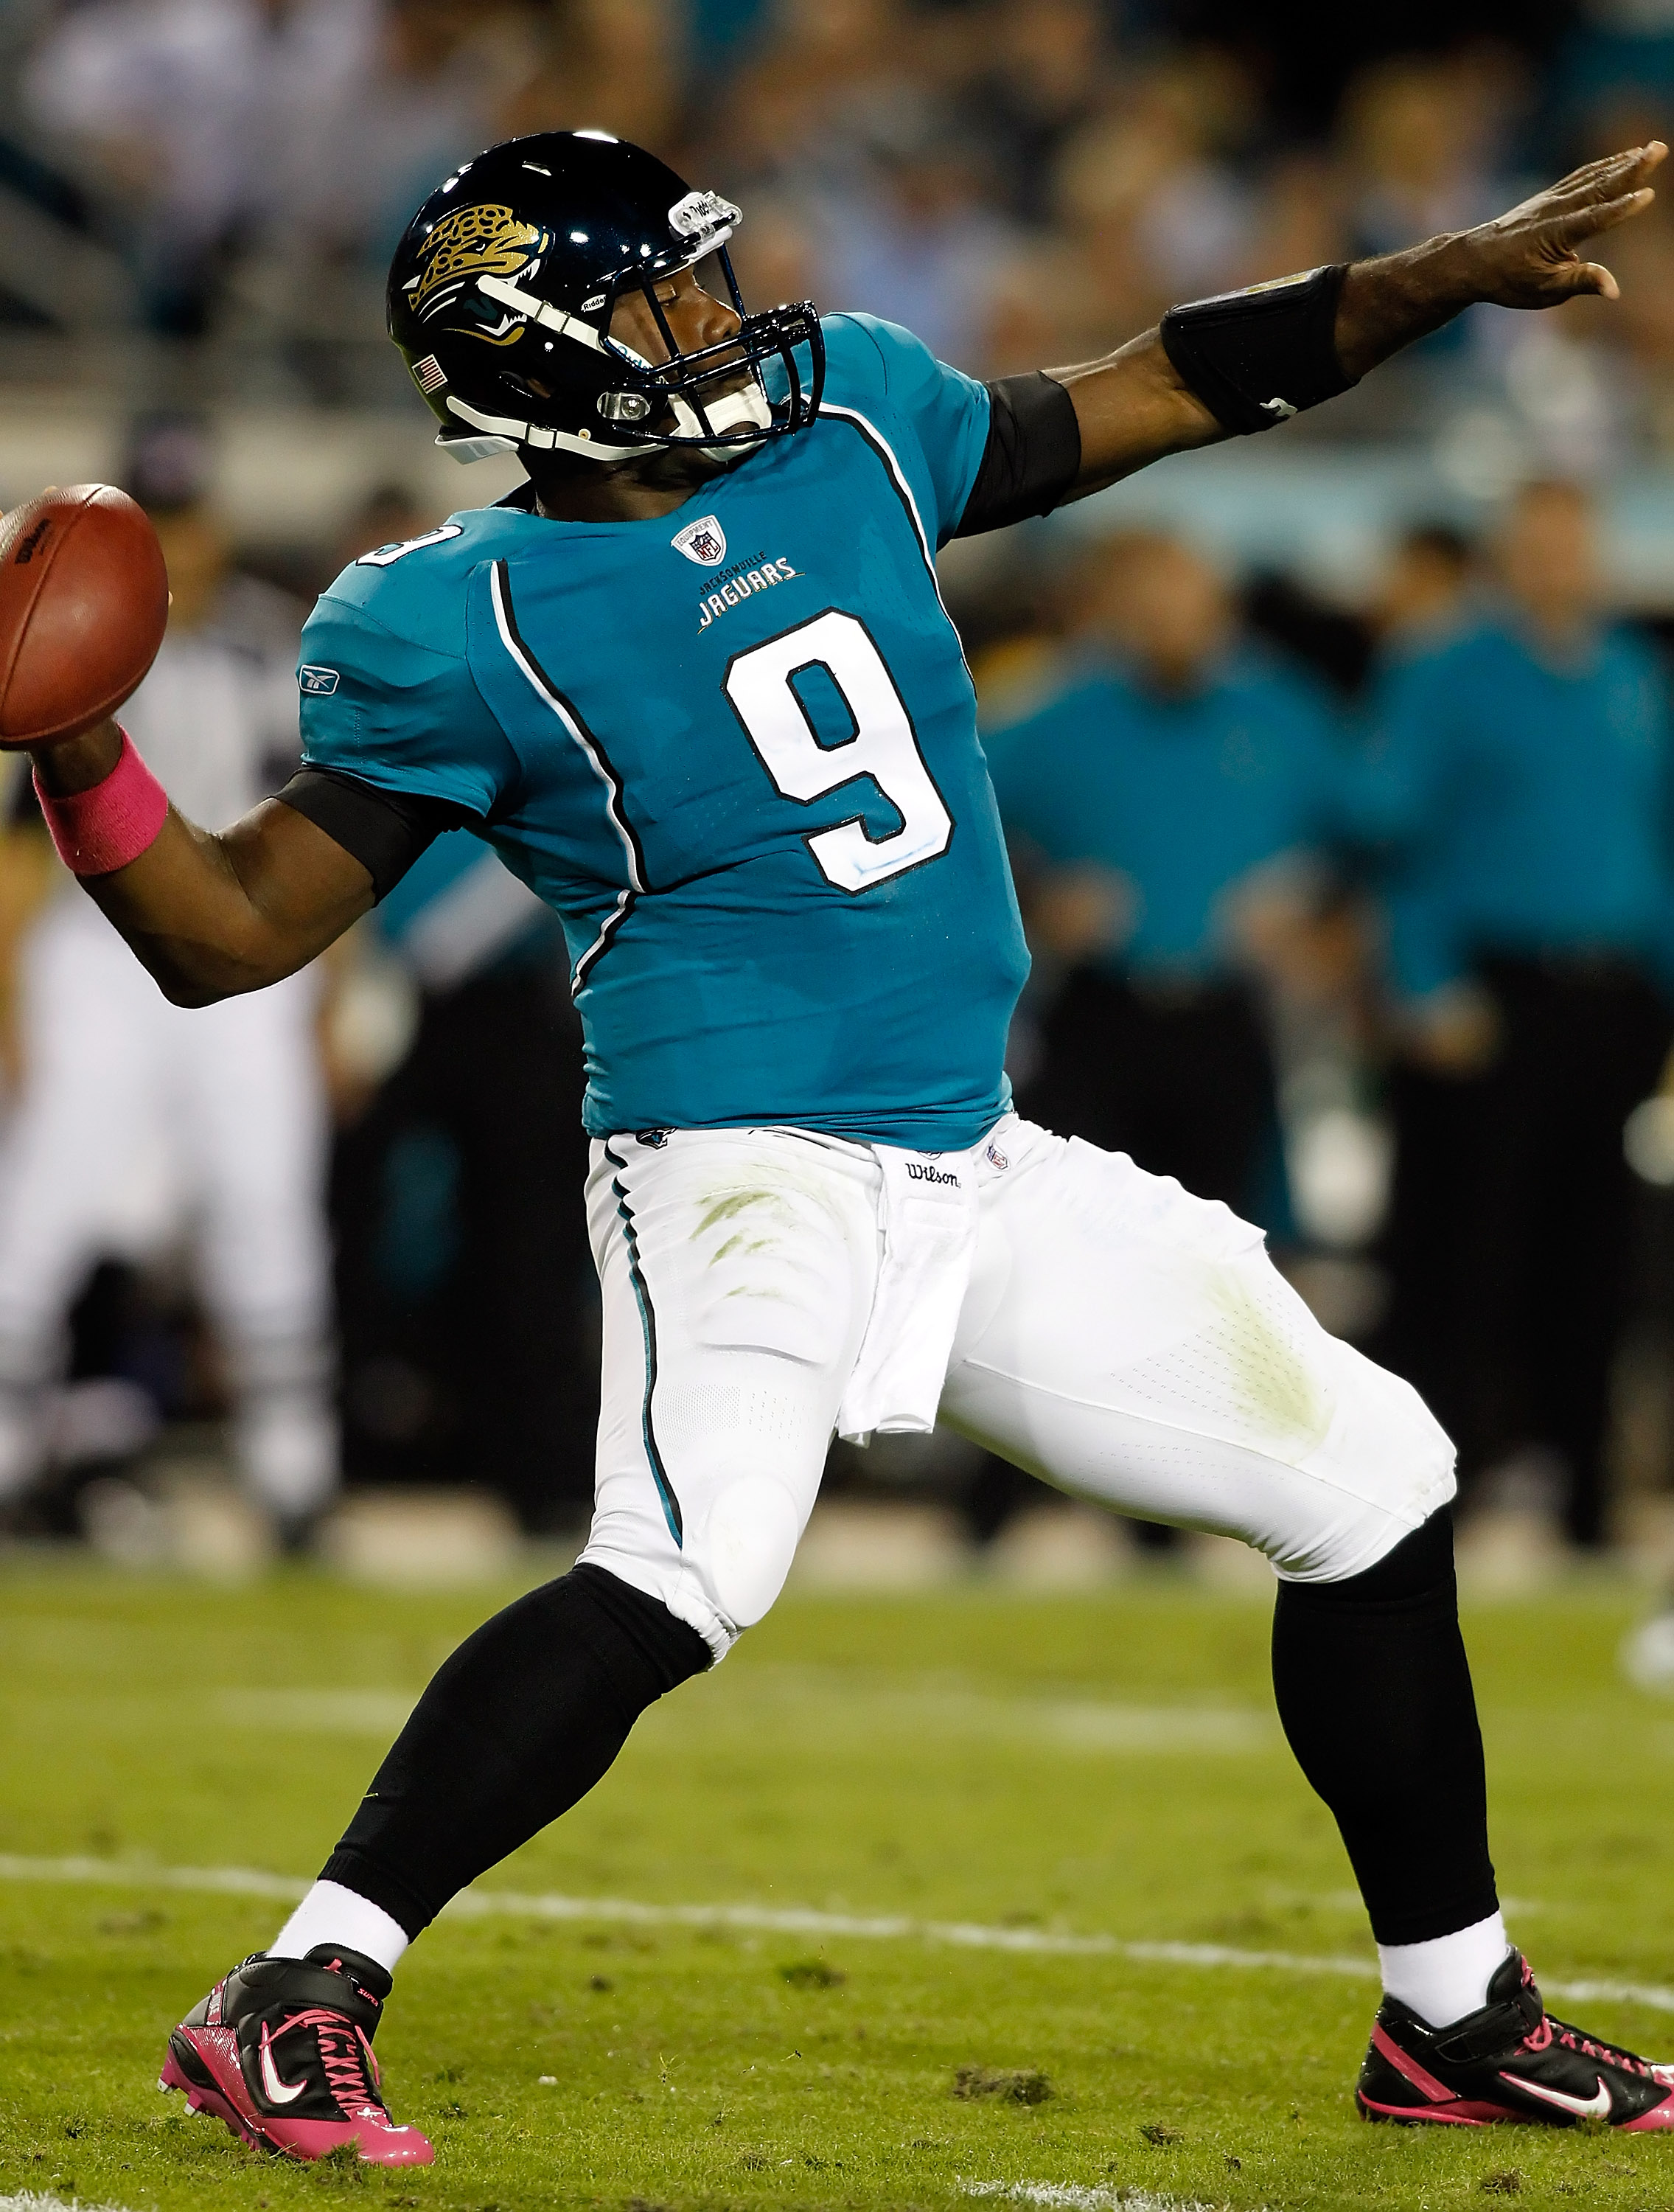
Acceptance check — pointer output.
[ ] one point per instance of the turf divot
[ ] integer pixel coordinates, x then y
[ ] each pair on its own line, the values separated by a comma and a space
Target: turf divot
1012, 2085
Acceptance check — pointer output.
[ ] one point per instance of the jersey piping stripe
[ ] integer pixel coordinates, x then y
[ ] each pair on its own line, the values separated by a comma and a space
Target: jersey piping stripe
886, 453
600, 945
598, 760
670, 1504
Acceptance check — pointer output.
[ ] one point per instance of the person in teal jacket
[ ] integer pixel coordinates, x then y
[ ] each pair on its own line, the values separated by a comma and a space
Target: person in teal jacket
1175, 796
1519, 780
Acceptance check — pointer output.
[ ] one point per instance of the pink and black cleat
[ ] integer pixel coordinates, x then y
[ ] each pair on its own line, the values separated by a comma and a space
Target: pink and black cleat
281, 2050
1511, 2061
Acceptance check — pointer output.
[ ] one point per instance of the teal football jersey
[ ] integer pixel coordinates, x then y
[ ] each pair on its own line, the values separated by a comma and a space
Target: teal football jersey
735, 749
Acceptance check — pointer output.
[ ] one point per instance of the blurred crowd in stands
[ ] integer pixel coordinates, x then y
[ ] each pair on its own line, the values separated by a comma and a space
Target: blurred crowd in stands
1359, 917
1019, 180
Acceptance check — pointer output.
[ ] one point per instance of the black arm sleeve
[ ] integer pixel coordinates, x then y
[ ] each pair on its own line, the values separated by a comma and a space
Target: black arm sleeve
385, 830
1257, 357
1033, 455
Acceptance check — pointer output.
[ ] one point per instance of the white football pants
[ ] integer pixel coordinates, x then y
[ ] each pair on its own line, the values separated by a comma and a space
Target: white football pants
1117, 1336
138, 1119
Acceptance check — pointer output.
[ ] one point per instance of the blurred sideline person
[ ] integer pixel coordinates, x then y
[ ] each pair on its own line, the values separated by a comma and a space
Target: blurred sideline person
198, 124
470, 1309
1425, 597
1423, 594
1177, 795
390, 514
136, 1119
1521, 771
1168, 808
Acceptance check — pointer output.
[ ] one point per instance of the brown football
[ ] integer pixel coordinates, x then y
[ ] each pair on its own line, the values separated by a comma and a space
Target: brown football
83, 604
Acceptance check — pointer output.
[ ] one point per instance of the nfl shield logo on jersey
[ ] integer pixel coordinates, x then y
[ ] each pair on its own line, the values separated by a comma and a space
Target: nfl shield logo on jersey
703, 540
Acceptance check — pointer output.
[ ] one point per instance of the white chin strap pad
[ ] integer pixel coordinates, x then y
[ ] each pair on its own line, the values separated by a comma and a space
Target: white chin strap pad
476, 449
745, 410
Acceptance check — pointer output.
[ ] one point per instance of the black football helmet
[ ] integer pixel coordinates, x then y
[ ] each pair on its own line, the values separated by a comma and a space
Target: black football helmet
501, 292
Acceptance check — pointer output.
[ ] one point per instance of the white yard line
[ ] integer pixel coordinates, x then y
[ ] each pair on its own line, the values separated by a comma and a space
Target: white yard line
1075, 2198
125, 1874
1077, 1725
785, 1920
33, 2201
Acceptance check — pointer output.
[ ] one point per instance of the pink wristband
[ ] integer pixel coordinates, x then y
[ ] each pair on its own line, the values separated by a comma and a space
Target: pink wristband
118, 819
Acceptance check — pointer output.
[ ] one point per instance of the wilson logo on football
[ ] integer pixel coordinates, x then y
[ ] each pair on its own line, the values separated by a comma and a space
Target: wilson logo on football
703, 540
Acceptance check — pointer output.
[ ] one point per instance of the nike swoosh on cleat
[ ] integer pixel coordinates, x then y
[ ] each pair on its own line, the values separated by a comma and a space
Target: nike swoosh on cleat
277, 2091
1596, 2107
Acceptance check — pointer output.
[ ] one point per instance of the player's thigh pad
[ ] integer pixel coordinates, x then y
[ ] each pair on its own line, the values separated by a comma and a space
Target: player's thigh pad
737, 1268
1125, 1339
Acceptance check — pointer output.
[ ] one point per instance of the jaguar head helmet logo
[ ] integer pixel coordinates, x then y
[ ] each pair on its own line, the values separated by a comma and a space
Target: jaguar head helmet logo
470, 241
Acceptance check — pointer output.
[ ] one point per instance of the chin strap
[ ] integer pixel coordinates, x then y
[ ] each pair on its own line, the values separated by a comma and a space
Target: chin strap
506, 433
466, 450
503, 434
738, 411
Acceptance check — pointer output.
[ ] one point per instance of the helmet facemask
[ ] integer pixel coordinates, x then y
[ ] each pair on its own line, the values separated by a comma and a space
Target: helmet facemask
715, 399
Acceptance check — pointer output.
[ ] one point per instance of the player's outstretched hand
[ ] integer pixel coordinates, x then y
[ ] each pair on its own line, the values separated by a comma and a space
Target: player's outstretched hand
1530, 257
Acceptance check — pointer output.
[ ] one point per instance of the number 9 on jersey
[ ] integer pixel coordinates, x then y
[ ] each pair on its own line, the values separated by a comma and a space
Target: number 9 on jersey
760, 686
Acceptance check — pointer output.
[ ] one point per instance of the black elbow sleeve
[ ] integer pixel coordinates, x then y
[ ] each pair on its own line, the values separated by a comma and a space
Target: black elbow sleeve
1032, 456
385, 830
1257, 357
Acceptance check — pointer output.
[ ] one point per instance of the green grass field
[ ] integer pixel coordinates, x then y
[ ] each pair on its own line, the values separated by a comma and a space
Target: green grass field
1095, 1766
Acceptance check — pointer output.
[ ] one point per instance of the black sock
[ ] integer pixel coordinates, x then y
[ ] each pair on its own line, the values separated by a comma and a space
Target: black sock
519, 1723
1373, 1689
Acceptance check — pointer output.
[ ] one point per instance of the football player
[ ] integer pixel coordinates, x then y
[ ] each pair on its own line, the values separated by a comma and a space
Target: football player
695, 683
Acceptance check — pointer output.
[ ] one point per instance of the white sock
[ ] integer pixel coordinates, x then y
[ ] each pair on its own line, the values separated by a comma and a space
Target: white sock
1448, 1976
331, 1914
